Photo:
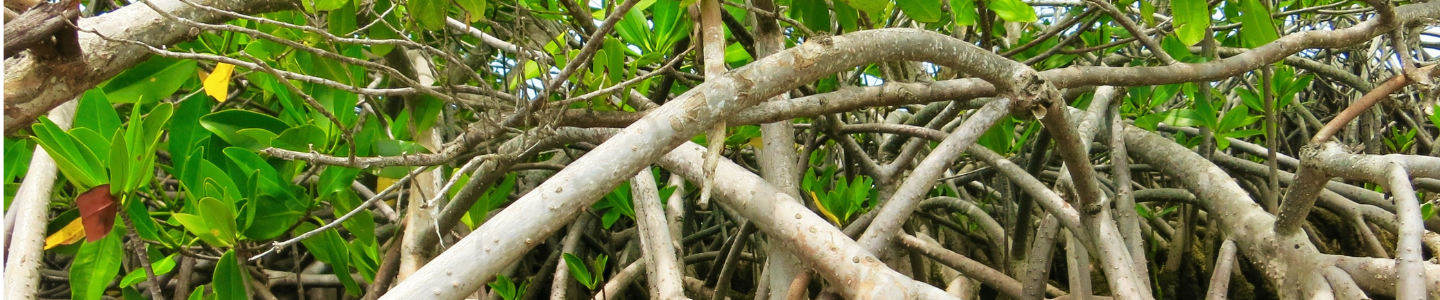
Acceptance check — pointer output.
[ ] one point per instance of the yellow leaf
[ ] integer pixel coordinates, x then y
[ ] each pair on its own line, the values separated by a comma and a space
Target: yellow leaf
824, 211
218, 83
383, 183
69, 235
757, 142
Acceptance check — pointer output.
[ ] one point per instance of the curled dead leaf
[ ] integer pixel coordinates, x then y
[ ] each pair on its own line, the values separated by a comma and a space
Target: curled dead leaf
97, 212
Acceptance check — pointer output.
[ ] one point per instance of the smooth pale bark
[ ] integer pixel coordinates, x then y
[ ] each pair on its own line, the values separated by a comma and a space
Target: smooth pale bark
1393, 172
32, 206
1073, 146
778, 160
893, 213
35, 86
1078, 263
971, 268
1220, 279
1344, 286
663, 267
476, 259
1378, 275
1289, 260
1126, 217
1042, 250
992, 229
414, 252
856, 272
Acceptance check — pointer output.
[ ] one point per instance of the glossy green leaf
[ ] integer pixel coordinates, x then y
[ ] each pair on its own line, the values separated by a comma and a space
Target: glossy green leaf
331, 249
185, 130
473, 10
342, 19
96, 113
198, 293
160, 267
579, 270
429, 14
17, 158
387, 147
227, 124
152, 80
1013, 10
507, 289
964, 11
120, 165
302, 139
145, 225
814, 14
1256, 26
73, 158
312, 6
95, 266
847, 16
215, 223
230, 278
924, 11
1427, 210
868, 6
1192, 17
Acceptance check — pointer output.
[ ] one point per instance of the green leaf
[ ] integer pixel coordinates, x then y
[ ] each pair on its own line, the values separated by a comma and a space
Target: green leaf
145, 225
1012, 10
1427, 210
311, 6
1236, 118
143, 139
579, 270
302, 138
430, 14
847, 16
198, 293
95, 266
384, 32
964, 10
868, 6
1256, 26
100, 145
231, 278
428, 111
1174, 117
72, 157
474, 10
342, 19
227, 124
185, 130
119, 165
272, 215
493, 198
248, 160
924, 11
215, 223
17, 158
1192, 17
95, 113
814, 14
599, 269
331, 249
632, 29
152, 80
506, 288
388, 147
161, 267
